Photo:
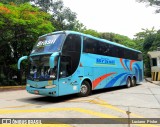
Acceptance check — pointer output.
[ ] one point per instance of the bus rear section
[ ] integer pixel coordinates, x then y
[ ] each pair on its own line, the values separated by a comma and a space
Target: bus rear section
108, 64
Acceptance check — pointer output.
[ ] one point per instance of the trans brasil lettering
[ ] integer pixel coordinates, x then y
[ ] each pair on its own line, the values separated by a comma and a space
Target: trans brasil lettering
46, 42
105, 61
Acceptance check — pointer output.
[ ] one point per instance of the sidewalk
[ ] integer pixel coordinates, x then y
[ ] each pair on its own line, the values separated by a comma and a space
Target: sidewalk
154, 82
10, 88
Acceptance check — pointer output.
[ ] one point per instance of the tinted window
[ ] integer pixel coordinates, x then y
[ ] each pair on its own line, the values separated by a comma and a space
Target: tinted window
103, 48
72, 43
113, 50
110, 50
120, 52
90, 45
139, 56
50, 43
70, 52
132, 55
106, 49
98, 47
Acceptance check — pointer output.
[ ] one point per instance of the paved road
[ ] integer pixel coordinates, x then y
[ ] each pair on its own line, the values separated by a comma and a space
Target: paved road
142, 101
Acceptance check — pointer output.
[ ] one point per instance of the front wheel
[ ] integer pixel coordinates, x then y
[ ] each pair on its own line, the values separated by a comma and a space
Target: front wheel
85, 89
128, 82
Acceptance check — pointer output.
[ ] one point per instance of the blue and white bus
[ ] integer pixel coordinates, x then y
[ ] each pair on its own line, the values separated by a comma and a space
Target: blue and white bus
69, 62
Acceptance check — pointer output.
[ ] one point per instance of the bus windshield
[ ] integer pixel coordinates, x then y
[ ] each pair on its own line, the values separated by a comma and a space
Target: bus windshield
39, 68
50, 43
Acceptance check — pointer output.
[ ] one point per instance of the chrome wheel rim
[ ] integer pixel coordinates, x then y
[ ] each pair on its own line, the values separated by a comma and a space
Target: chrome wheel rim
84, 89
129, 83
133, 82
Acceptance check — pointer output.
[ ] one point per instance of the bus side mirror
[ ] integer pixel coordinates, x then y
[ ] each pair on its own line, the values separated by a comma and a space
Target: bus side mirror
52, 62
20, 60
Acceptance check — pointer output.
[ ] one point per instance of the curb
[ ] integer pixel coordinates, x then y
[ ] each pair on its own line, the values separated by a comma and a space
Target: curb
9, 88
152, 82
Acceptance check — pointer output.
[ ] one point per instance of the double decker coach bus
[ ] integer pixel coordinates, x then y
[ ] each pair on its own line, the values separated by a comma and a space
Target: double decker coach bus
68, 62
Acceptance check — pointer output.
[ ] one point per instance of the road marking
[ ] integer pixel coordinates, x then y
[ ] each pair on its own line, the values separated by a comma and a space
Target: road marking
105, 104
21, 106
56, 110
81, 110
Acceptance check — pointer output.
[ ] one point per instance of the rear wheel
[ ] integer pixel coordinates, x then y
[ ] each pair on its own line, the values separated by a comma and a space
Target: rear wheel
85, 89
128, 82
133, 81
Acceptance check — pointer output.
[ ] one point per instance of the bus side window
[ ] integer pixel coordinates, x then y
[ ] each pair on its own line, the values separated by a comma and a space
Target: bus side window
90, 45
72, 43
120, 52
103, 48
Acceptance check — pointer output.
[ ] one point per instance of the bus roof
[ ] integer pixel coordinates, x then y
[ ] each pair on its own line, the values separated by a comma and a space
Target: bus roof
90, 36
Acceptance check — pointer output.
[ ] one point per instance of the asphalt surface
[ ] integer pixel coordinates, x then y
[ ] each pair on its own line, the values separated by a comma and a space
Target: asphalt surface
141, 101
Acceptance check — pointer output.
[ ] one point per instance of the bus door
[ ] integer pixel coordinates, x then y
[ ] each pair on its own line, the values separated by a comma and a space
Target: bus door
65, 77
69, 62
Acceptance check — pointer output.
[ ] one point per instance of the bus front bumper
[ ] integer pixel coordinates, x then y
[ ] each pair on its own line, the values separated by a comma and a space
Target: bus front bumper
43, 91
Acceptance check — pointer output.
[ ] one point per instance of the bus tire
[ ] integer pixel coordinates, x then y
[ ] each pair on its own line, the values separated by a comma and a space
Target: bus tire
85, 89
129, 83
133, 81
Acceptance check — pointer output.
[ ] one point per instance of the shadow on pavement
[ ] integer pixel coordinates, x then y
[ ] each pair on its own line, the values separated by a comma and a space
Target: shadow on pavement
43, 100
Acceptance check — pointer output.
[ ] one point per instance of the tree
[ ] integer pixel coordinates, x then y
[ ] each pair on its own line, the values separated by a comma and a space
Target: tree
92, 32
62, 17
155, 3
121, 39
156, 42
79, 26
147, 40
20, 26
17, 2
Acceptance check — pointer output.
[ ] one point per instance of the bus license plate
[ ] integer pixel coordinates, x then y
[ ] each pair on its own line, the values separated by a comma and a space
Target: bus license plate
36, 92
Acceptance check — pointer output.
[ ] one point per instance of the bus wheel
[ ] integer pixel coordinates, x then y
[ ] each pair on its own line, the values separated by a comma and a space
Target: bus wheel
85, 89
133, 81
128, 82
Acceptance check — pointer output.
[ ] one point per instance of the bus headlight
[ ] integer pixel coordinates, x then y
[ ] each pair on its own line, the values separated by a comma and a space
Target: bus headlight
50, 86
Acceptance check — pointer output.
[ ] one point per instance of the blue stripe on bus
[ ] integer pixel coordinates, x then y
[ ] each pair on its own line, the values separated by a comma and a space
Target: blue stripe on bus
111, 83
126, 61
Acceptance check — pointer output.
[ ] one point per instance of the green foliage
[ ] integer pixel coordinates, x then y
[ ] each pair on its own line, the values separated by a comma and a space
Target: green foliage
124, 40
17, 2
147, 40
79, 26
20, 26
62, 17
155, 3
92, 32
156, 42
